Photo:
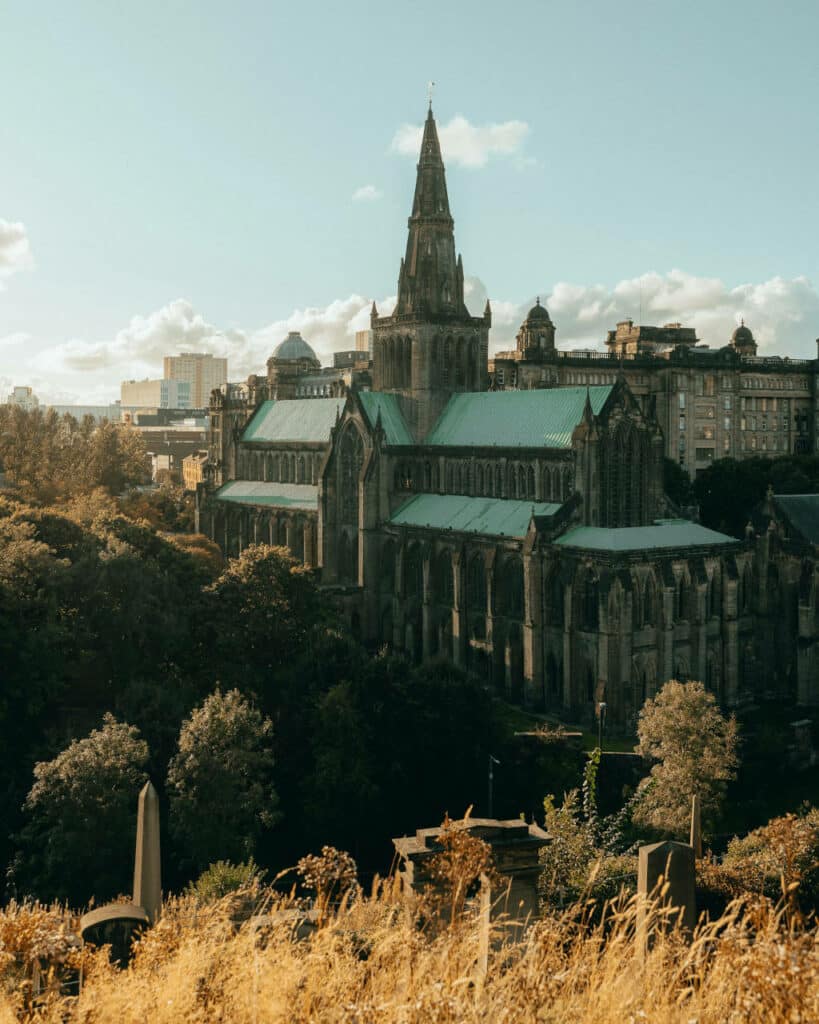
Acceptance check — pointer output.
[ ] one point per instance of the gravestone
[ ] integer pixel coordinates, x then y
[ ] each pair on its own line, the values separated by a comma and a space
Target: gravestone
147, 872
116, 924
671, 863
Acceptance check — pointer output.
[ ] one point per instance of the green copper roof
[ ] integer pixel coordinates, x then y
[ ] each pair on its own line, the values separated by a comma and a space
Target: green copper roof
258, 492
802, 511
392, 419
492, 516
296, 419
666, 533
515, 419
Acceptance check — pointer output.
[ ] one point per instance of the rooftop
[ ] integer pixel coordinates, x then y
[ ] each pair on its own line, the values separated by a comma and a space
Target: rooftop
258, 492
495, 517
665, 533
802, 512
392, 420
306, 419
516, 419
294, 347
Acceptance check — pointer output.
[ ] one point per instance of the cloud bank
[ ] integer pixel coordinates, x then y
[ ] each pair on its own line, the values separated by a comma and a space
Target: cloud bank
783, 314
464, 143
15, 249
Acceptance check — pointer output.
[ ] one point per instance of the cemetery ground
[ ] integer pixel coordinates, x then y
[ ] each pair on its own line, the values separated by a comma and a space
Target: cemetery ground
380, 958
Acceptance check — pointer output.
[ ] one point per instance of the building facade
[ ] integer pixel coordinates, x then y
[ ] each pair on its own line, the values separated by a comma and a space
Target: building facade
202, 372
710, 403
521, 532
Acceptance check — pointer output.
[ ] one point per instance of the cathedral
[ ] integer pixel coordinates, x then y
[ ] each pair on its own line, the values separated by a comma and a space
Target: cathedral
522, 534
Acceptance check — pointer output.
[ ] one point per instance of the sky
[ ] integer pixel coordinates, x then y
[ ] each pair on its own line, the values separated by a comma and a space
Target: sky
201, 176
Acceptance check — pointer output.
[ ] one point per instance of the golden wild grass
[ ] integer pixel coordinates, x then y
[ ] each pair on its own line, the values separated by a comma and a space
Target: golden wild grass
373, 962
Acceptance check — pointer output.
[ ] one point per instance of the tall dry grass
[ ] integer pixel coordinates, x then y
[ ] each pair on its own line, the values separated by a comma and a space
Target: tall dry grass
371, 963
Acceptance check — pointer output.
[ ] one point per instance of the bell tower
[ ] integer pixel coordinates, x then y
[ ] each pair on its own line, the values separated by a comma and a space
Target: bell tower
430, 346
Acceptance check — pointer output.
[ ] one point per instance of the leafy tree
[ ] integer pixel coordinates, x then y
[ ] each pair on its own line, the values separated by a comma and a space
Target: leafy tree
49, 456
267, 605
677, 483
397, 745
78, 839
729, 489
220, 781
693, 747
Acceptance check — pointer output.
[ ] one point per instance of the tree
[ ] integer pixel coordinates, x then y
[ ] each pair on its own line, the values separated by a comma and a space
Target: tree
693, 747
220, 781
266, 604
78, 840
677, 484
729, 489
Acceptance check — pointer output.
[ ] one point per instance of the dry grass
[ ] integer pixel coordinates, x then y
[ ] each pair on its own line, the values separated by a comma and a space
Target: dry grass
372, 964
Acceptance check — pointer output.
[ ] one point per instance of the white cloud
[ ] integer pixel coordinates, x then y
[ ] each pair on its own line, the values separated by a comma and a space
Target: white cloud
464, 143
782, 313
15, 249
366, 194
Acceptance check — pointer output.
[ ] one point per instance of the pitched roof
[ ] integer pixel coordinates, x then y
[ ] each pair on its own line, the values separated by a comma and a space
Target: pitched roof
515, 419
258, 492
296, 419
493, 516
802, 512
392, 419
665, 533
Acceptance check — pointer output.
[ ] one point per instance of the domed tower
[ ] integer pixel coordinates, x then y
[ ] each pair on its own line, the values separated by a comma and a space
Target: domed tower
430, 346
743, 341
536, 337
291, 359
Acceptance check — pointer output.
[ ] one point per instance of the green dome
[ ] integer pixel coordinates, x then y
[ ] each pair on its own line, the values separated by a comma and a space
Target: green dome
294, 347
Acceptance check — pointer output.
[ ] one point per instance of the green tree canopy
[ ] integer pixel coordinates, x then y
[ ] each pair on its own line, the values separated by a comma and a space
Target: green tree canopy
693, 749
220, 781
78, 838
729, 489
49, 456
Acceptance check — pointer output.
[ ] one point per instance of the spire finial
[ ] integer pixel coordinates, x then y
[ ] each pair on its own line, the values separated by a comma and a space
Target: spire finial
430, 87
537, 301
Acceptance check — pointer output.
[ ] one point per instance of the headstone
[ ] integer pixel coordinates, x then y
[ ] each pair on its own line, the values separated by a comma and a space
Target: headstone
116, 924
147, 874
671, 863
696, 827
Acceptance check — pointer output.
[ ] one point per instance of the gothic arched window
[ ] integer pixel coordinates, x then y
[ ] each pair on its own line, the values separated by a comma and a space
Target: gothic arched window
351, 459
414, 572
587, 602
511, 598
530, 483
443, 583
554, 599
476, 585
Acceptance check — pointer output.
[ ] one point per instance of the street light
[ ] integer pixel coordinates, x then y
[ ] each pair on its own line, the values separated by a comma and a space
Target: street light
601, 714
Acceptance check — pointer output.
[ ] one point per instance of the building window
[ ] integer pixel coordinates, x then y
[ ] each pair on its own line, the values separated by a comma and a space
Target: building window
726, 403
726, 444
682, 399
727, 422
682, 422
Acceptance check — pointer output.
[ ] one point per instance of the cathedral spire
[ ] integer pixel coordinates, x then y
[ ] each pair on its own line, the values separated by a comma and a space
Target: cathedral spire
431, 279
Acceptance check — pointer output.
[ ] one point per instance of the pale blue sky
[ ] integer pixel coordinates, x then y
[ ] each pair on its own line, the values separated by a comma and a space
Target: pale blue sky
209, 152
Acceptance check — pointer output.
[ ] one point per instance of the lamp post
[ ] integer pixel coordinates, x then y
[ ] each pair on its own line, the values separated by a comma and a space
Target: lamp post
601, 714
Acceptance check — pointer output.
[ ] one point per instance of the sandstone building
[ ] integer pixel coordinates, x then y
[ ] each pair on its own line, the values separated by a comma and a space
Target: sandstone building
710, 403
521, 533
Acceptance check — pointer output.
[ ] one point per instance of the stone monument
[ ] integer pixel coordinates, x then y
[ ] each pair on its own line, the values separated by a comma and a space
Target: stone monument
666, 873
116, 924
